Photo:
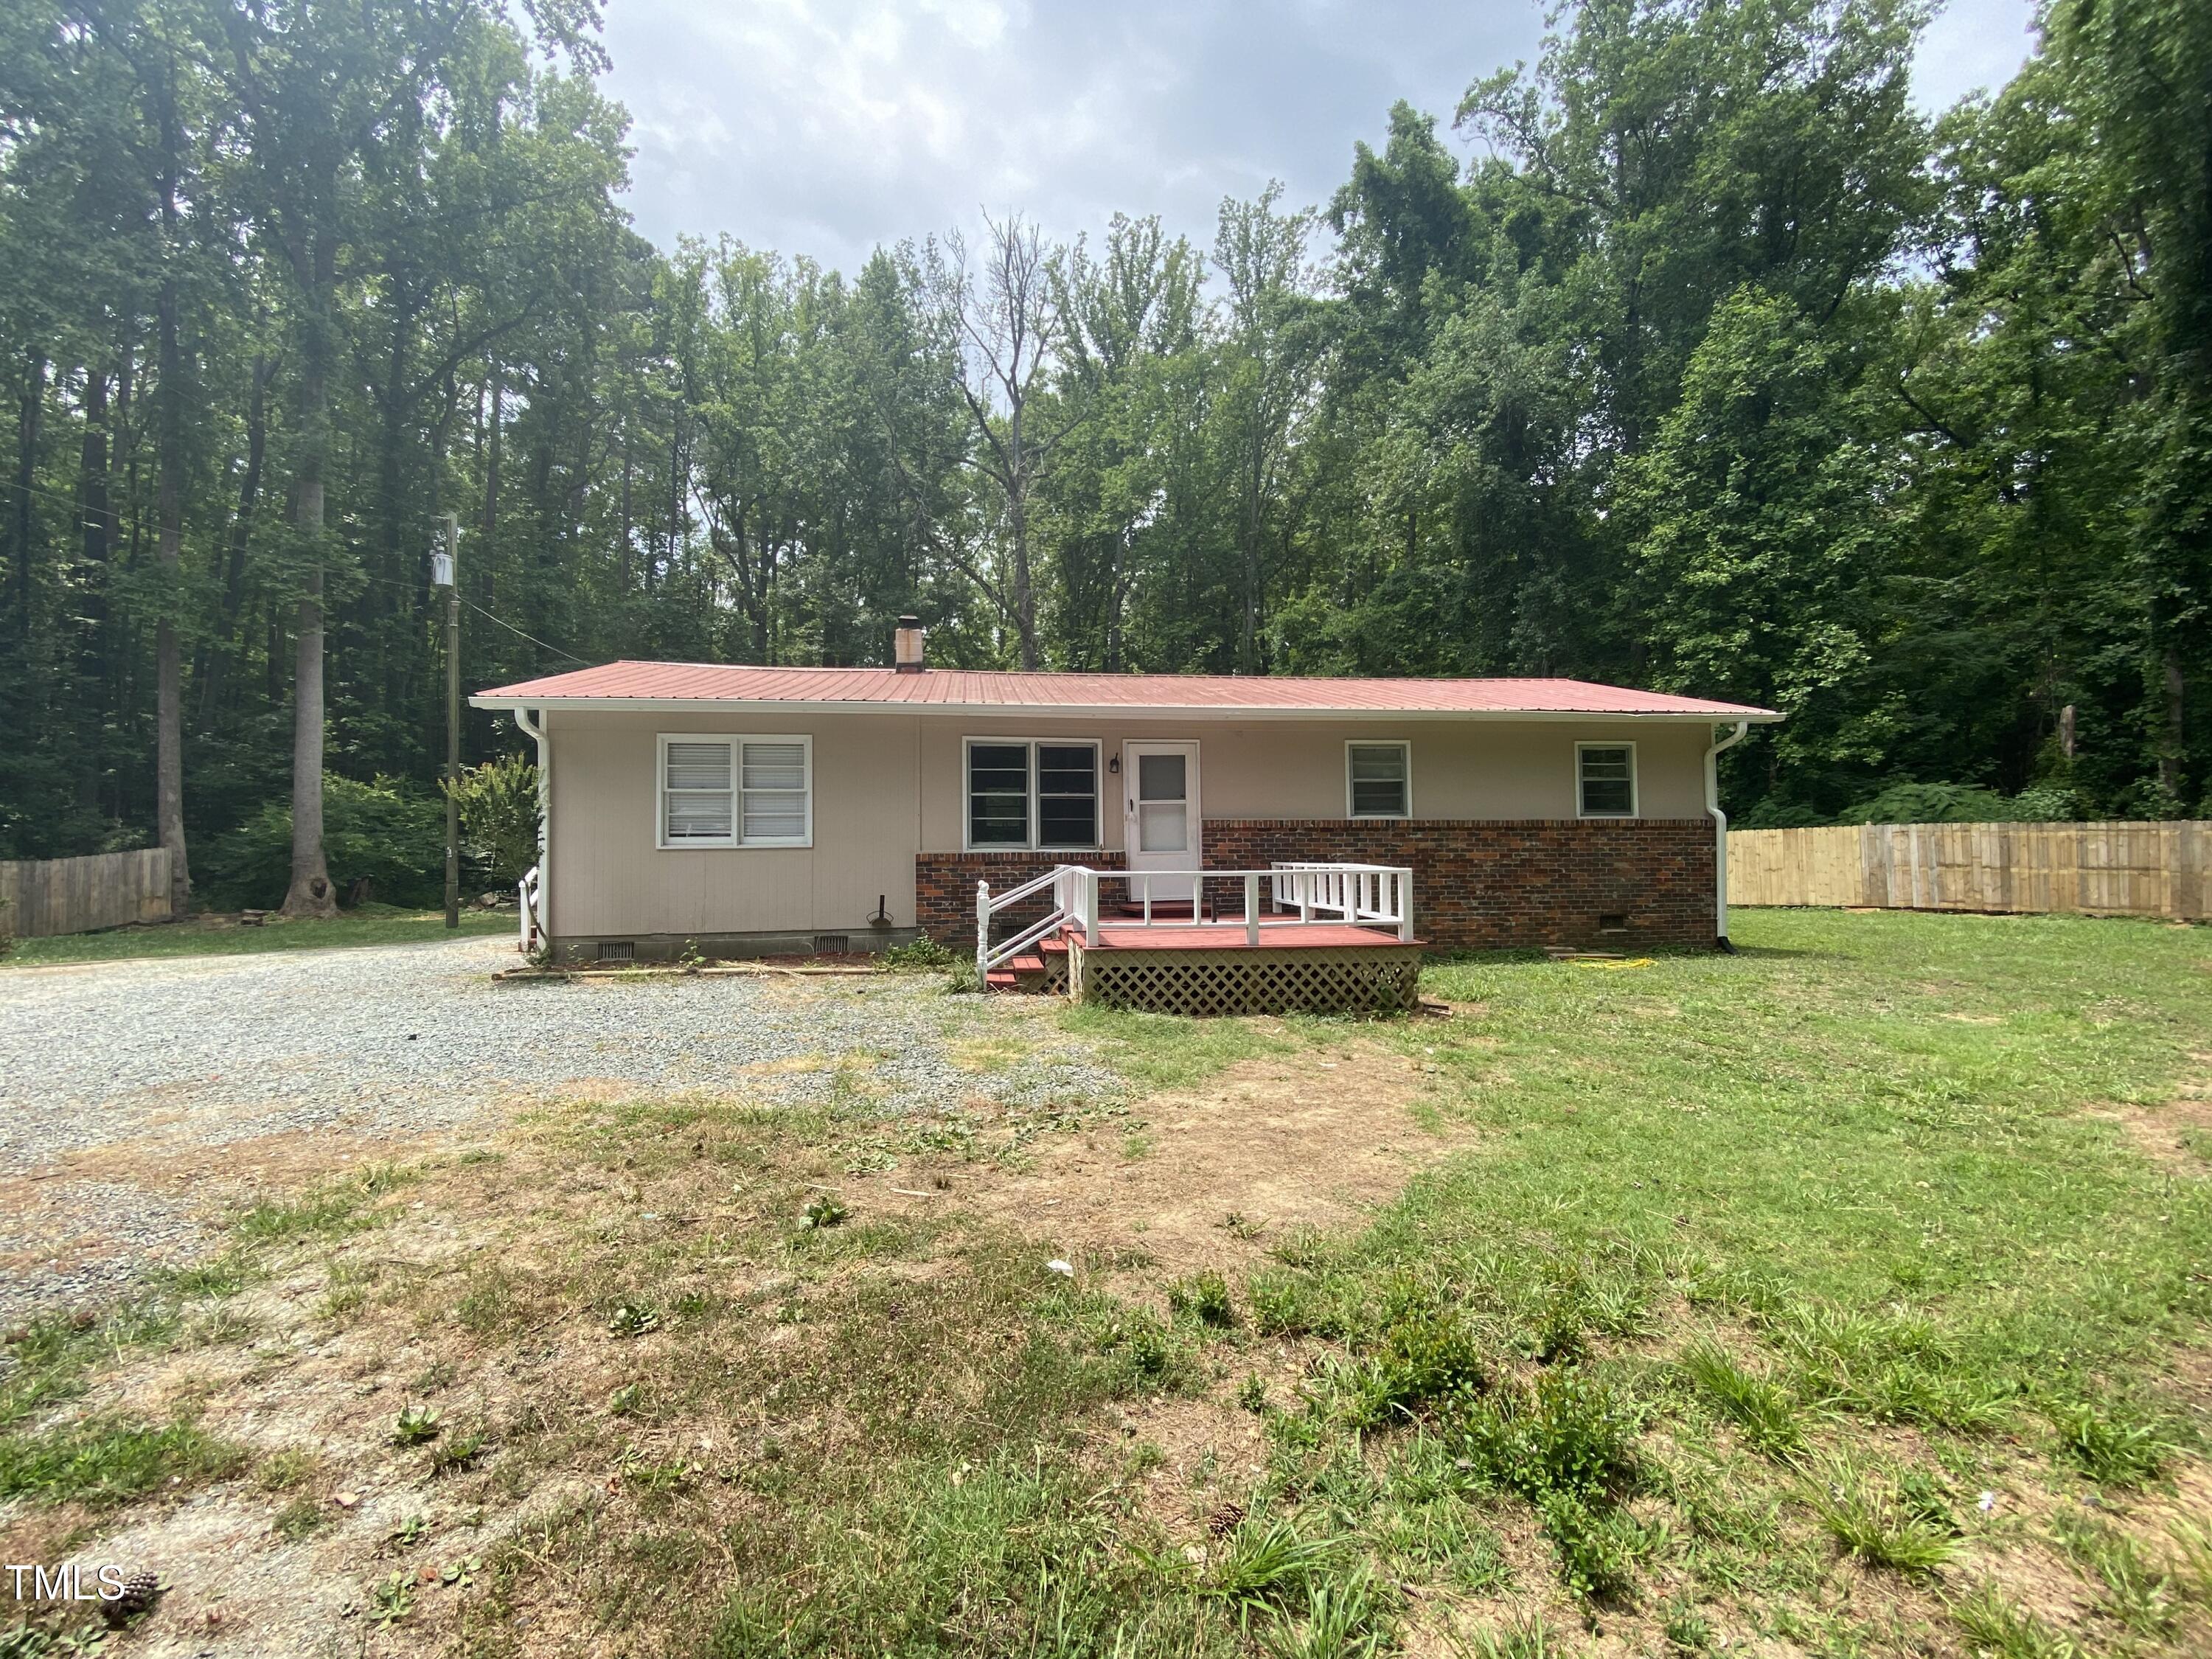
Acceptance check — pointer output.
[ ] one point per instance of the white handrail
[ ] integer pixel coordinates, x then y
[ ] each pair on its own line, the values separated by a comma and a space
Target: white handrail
525, 893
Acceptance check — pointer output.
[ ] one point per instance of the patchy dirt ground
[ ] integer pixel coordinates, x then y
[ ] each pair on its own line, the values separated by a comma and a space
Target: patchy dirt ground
442, 1305
1212, 1177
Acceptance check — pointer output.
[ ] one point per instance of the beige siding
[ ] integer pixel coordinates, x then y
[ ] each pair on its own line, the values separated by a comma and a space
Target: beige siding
887, 786
610, 879
1295, 769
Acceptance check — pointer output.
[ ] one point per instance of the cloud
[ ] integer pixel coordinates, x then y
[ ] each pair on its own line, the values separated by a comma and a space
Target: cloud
829, 127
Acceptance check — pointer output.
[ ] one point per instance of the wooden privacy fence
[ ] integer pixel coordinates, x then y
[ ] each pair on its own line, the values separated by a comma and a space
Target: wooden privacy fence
79, 895
2120, 869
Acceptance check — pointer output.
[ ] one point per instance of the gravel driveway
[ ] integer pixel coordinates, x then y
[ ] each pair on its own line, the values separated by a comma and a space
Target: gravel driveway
411, 1040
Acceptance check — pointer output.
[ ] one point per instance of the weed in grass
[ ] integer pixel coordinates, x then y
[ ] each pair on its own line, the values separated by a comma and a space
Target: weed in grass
1268, 1564
1596, 1546
1997, 1629
1764, 1412
107, 1460
394, 1599
280, 1470
1344, 1618
459, 1453
1866, 1516
1237, 1224
920, 955
297, 1519
2111, 1440
2135, 1590
1203, 1297
1284, 1303
632, 1319
411, 1531
1569, 1433
331, 1211
824, 1210
218, 1276
624, 1400
2192, 1555
1524, 1638
1252, 1394
222, 1328
416, 1426
1687, 1631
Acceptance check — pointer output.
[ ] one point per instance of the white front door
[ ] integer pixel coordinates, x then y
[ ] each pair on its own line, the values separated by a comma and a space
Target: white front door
1159, 789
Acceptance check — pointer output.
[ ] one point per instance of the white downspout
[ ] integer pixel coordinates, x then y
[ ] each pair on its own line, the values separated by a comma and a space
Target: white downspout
535, 732
1720, 831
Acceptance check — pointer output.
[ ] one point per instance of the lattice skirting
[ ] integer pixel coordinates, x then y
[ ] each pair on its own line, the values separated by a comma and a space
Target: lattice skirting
1352, 979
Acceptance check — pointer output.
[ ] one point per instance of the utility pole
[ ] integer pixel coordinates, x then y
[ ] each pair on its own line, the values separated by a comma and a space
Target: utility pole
443, 574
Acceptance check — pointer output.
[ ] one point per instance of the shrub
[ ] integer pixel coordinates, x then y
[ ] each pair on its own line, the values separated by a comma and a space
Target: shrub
383, 833
498, 803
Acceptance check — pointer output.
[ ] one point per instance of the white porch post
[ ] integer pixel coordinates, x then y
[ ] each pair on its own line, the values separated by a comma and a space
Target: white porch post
982, 931
1251, 910
1405, 906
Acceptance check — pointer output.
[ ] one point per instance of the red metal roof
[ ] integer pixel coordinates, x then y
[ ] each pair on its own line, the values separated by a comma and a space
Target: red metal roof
664, 683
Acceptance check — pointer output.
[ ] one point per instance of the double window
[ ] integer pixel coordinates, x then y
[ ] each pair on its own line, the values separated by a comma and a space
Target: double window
1024, 794
1605, 779
1379, 780
736, 791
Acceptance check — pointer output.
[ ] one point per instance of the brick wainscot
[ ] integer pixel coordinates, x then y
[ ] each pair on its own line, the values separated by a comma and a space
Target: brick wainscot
1512, 883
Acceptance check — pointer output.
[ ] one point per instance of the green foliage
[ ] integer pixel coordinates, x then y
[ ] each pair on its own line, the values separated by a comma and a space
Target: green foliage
105, 1462
2111, 1440
1951, 803
1569, 1434
386, 833
498, 803
919, 954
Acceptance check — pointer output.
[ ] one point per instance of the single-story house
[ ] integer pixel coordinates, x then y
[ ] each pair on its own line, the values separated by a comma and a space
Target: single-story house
764, 811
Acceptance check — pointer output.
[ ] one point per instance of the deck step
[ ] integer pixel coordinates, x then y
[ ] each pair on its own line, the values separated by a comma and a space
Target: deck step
1000, 979
1028, 964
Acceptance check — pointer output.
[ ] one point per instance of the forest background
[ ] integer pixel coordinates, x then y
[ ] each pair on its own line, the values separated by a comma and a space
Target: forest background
1692, 357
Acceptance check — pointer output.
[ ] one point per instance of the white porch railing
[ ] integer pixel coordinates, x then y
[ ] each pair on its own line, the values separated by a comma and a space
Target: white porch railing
1060, 879
526, 896
1362, 894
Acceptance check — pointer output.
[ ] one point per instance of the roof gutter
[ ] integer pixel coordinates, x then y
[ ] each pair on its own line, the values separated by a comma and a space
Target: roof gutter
1035, 711
1720, 831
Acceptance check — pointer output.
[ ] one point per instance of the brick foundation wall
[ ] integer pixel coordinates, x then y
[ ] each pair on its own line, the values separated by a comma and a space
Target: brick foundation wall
1511, 883
945, 891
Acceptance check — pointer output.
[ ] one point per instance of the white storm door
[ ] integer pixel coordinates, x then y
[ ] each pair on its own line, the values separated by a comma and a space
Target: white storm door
1159, 787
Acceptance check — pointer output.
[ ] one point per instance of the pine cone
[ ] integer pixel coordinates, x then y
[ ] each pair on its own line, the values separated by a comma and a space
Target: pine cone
1224, 1521
140, 1591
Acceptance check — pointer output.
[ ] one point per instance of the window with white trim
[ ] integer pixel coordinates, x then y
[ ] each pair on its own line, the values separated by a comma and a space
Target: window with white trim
1379, 780
1605, 779
736, 791
1025, 793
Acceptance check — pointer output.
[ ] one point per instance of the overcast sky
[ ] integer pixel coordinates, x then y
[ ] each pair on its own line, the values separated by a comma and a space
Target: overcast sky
826, 127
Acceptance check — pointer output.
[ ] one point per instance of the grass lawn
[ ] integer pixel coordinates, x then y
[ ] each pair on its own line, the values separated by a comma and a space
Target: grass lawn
207, 935
1846, 1297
